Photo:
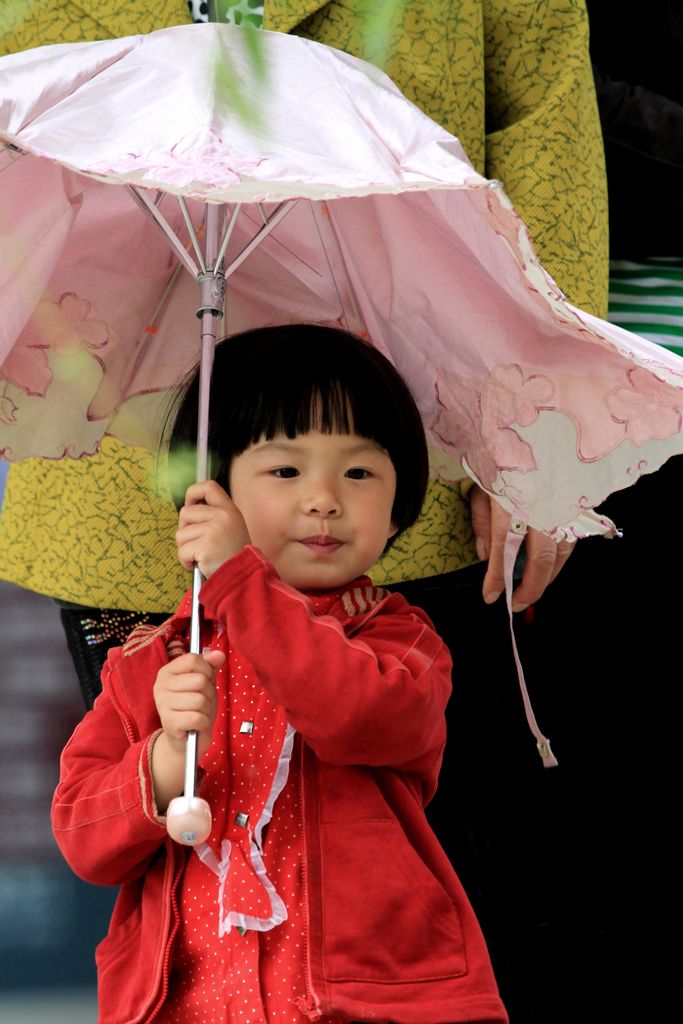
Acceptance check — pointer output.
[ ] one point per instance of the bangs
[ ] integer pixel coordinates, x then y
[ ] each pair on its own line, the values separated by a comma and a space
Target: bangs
328, 404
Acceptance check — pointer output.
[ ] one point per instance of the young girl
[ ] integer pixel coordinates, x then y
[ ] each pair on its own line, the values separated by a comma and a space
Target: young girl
321, 894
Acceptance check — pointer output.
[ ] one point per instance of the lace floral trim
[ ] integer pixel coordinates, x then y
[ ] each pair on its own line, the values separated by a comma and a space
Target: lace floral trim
234, 918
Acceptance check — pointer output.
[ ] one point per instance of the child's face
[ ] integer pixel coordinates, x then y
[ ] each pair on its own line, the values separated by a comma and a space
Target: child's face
318, 505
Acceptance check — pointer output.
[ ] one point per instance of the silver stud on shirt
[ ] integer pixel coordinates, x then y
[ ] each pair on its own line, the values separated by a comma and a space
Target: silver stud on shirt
247, 727
241, 819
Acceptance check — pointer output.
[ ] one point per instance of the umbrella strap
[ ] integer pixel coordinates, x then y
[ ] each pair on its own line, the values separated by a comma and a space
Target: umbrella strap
513, 542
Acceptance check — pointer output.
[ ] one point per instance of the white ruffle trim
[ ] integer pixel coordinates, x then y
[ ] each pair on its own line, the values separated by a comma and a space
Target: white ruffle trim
278, 914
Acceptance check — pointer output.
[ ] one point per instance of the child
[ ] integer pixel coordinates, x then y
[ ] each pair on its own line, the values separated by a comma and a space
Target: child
319, 702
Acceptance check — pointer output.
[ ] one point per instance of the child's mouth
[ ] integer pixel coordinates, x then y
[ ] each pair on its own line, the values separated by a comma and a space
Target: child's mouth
322, 544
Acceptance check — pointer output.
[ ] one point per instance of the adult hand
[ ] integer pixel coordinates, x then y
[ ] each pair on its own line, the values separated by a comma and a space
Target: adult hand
211, 528
545, 557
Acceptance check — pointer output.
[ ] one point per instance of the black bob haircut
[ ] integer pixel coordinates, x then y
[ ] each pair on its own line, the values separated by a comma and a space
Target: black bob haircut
303, 377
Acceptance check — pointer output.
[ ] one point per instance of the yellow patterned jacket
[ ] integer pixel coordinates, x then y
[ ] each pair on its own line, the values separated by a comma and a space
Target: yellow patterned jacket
512, 79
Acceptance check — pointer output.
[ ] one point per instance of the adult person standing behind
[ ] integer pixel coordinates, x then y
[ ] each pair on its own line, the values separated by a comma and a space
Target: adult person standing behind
512, 79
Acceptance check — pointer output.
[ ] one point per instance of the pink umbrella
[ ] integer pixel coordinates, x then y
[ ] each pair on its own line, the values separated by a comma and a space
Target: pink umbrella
342, 204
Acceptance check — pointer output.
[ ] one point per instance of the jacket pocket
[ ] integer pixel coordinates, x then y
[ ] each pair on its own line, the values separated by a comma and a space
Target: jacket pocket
124, 973
116, 956
386, 917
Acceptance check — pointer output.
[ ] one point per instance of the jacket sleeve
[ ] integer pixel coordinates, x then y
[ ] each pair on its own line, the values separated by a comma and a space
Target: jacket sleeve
375, 698
103, 814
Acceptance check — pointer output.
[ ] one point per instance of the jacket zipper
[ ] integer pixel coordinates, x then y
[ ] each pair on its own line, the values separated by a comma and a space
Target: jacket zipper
311, 1004
167, 952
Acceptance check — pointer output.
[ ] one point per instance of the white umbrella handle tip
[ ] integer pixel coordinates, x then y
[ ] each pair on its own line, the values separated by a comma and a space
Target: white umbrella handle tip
188, 820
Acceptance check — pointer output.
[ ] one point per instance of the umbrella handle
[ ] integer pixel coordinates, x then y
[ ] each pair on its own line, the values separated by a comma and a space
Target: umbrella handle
188, 817
188, 820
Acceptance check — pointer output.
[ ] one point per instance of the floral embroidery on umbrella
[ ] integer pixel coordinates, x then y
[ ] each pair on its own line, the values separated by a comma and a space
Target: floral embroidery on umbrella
202, 159
649, 408
65, 327
508, 397
481, 416
459, 416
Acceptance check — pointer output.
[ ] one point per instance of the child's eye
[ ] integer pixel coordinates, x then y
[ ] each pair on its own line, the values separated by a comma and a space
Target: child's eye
357, 473
285, 472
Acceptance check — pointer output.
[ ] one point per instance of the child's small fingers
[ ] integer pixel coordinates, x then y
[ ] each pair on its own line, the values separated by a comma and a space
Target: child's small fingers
192, 682
189, 721
209, 492
214, 658
188, 665
186, 563
199, 544
191, 515
187, 700
196, 537
193, 679
187, 554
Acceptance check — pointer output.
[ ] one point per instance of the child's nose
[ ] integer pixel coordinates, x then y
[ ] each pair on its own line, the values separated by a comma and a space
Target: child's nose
317, 507
323, 501
322, 509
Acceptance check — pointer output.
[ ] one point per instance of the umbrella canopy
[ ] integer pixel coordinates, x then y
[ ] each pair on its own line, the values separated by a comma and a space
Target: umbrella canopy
368, 214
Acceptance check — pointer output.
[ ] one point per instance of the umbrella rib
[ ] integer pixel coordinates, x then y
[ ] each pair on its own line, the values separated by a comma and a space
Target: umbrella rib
191, 232
156, 315
150, 329
14, 153
164, 296
148, 207
279, 214
291, 252
354, 301
227, 236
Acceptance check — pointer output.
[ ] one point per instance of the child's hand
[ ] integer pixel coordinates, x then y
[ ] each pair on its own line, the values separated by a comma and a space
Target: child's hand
211, 528
185, 696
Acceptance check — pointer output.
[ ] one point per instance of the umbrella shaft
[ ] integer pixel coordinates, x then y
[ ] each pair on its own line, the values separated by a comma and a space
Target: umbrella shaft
212, 285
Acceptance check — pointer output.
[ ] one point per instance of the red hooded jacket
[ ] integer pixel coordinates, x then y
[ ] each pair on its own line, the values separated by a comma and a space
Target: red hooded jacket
391, 935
